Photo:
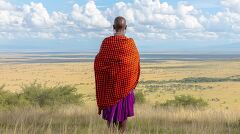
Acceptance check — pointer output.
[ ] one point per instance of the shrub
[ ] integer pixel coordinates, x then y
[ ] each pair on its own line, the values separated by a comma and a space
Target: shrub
9, 99
139, 97
38, 95
1, 87
185, 101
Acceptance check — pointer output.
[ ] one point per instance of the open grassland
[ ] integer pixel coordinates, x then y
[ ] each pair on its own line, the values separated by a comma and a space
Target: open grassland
216, 82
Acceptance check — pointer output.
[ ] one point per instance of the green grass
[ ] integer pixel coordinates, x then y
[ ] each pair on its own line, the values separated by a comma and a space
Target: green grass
194, 80
185, 101
171, 67
208, 79
139, 97
190, 83
174, 87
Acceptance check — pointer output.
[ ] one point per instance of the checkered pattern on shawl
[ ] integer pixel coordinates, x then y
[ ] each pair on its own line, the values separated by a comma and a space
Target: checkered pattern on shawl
117, 70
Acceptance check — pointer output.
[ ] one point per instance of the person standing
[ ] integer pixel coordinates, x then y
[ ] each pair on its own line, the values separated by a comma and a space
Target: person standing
117, 72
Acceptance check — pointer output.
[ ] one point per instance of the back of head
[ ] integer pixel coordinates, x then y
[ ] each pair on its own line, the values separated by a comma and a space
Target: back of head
120, 24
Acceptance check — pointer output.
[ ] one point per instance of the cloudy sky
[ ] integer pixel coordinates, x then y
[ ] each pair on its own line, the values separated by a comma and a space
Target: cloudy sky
156, 25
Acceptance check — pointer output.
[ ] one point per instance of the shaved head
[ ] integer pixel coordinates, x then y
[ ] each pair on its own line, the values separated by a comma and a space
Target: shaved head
120, 24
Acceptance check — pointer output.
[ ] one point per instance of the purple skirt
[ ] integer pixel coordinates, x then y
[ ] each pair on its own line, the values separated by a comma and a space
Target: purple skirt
121, 111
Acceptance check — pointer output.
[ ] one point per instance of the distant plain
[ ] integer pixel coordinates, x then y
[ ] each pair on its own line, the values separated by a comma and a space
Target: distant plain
161, 77
213, 78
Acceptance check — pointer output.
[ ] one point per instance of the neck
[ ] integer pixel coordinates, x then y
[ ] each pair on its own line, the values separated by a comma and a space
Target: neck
119, 33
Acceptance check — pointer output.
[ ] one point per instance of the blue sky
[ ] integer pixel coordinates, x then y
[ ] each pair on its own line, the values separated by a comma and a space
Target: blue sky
156, 25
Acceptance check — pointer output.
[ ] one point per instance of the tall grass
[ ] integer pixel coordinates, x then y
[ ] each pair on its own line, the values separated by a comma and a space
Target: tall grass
72, 119
139, 97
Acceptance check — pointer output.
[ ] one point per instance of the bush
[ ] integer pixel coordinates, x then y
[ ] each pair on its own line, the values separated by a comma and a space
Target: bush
139, 97
185, 101
38, 95
1, 87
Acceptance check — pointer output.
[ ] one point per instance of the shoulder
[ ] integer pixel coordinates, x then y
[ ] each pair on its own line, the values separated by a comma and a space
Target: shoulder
107, 39
131, 40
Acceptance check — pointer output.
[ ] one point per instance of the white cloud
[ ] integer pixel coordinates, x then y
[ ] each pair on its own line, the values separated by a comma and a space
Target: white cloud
37, 15
89, 15
145, 18
148, 15
33, 20
197, 35
59, 18
9, 14
144, 12
232, 5
187, 15
5, 5
227, 20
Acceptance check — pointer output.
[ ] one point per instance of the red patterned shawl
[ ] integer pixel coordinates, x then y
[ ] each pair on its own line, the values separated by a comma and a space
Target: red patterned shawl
117, 70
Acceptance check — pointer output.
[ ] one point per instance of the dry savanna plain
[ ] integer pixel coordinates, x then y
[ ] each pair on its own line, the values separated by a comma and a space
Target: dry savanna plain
215, 81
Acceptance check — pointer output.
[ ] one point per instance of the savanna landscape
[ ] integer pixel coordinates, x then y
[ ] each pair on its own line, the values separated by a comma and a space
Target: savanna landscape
173, 96
189, 71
